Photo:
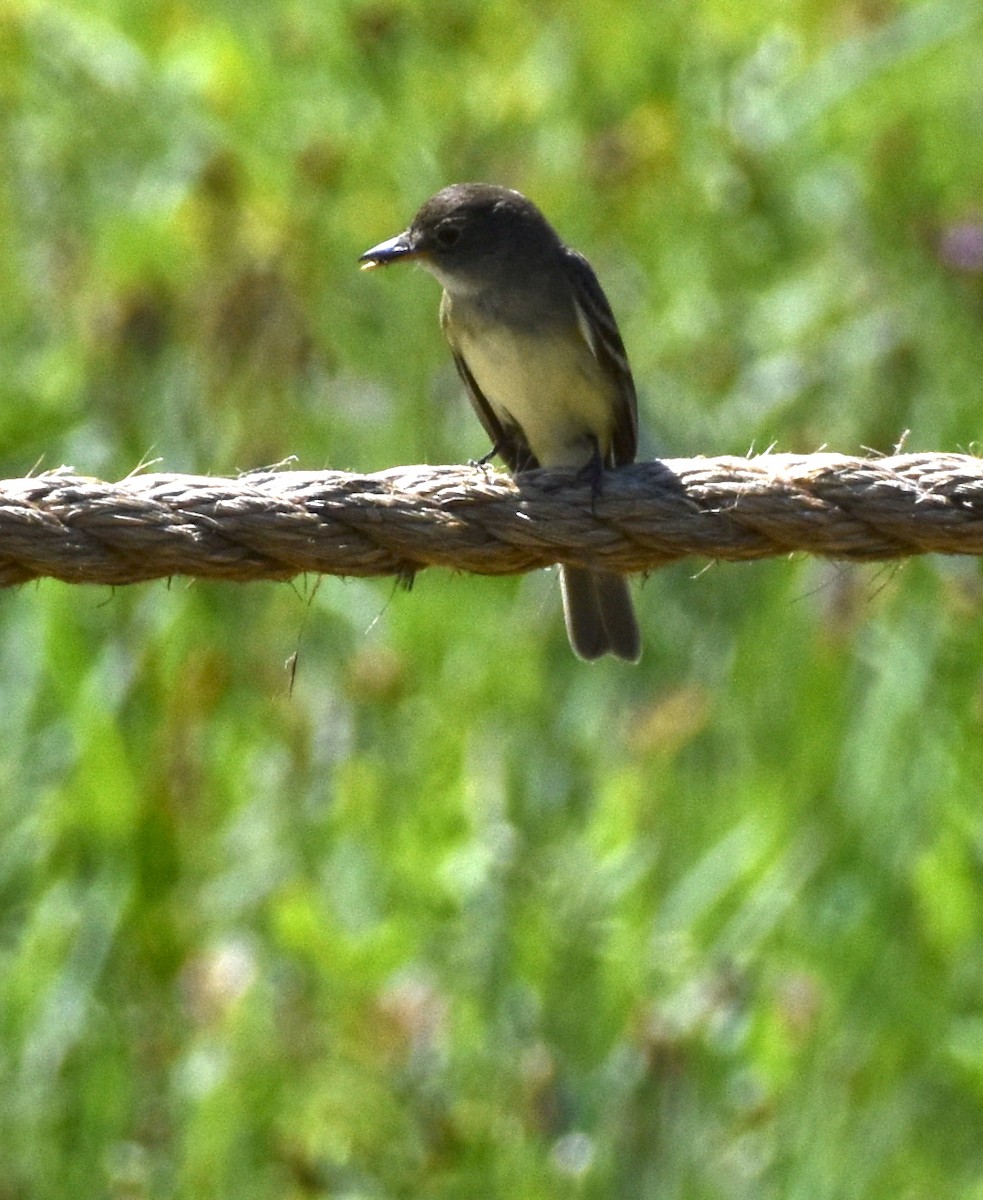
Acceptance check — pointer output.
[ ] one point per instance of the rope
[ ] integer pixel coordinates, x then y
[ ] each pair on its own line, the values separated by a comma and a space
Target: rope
275, 524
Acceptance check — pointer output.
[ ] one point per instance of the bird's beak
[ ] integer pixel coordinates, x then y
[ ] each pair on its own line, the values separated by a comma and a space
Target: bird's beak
396, 248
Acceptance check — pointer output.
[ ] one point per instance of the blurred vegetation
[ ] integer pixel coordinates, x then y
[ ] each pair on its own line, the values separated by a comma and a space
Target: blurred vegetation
450, 914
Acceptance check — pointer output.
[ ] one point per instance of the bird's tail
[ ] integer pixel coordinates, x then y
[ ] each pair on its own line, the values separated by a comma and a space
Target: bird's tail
599, 614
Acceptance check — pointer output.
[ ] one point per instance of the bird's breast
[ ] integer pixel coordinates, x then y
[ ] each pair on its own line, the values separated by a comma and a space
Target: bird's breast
547, 382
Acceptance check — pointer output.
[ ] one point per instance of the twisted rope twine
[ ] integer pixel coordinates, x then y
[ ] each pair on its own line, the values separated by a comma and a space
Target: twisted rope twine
276, 524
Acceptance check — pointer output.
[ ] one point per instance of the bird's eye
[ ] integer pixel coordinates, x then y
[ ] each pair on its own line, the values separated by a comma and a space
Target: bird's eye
447, 235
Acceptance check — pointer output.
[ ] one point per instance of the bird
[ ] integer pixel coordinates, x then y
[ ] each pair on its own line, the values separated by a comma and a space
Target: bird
538, 349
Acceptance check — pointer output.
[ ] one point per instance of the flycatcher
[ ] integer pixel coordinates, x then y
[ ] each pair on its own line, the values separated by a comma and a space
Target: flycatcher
538, 349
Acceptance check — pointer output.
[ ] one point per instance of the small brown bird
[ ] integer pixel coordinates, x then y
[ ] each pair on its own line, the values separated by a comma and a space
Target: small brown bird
538, 348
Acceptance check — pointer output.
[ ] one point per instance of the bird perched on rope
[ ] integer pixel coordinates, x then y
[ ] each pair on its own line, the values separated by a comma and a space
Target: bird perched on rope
538, 349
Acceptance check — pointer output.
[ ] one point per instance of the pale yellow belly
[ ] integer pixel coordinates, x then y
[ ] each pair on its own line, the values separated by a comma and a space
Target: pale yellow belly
552, 388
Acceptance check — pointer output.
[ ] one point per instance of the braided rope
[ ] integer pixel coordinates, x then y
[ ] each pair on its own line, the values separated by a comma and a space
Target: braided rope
276, 524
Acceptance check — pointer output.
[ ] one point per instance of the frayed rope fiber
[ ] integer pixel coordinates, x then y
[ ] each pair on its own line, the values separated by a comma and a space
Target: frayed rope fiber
275, 524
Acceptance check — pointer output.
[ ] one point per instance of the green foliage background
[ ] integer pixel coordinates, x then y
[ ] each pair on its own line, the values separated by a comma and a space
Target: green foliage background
458, 916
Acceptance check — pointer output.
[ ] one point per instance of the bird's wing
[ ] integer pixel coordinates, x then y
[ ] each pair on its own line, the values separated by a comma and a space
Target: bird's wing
600, 331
